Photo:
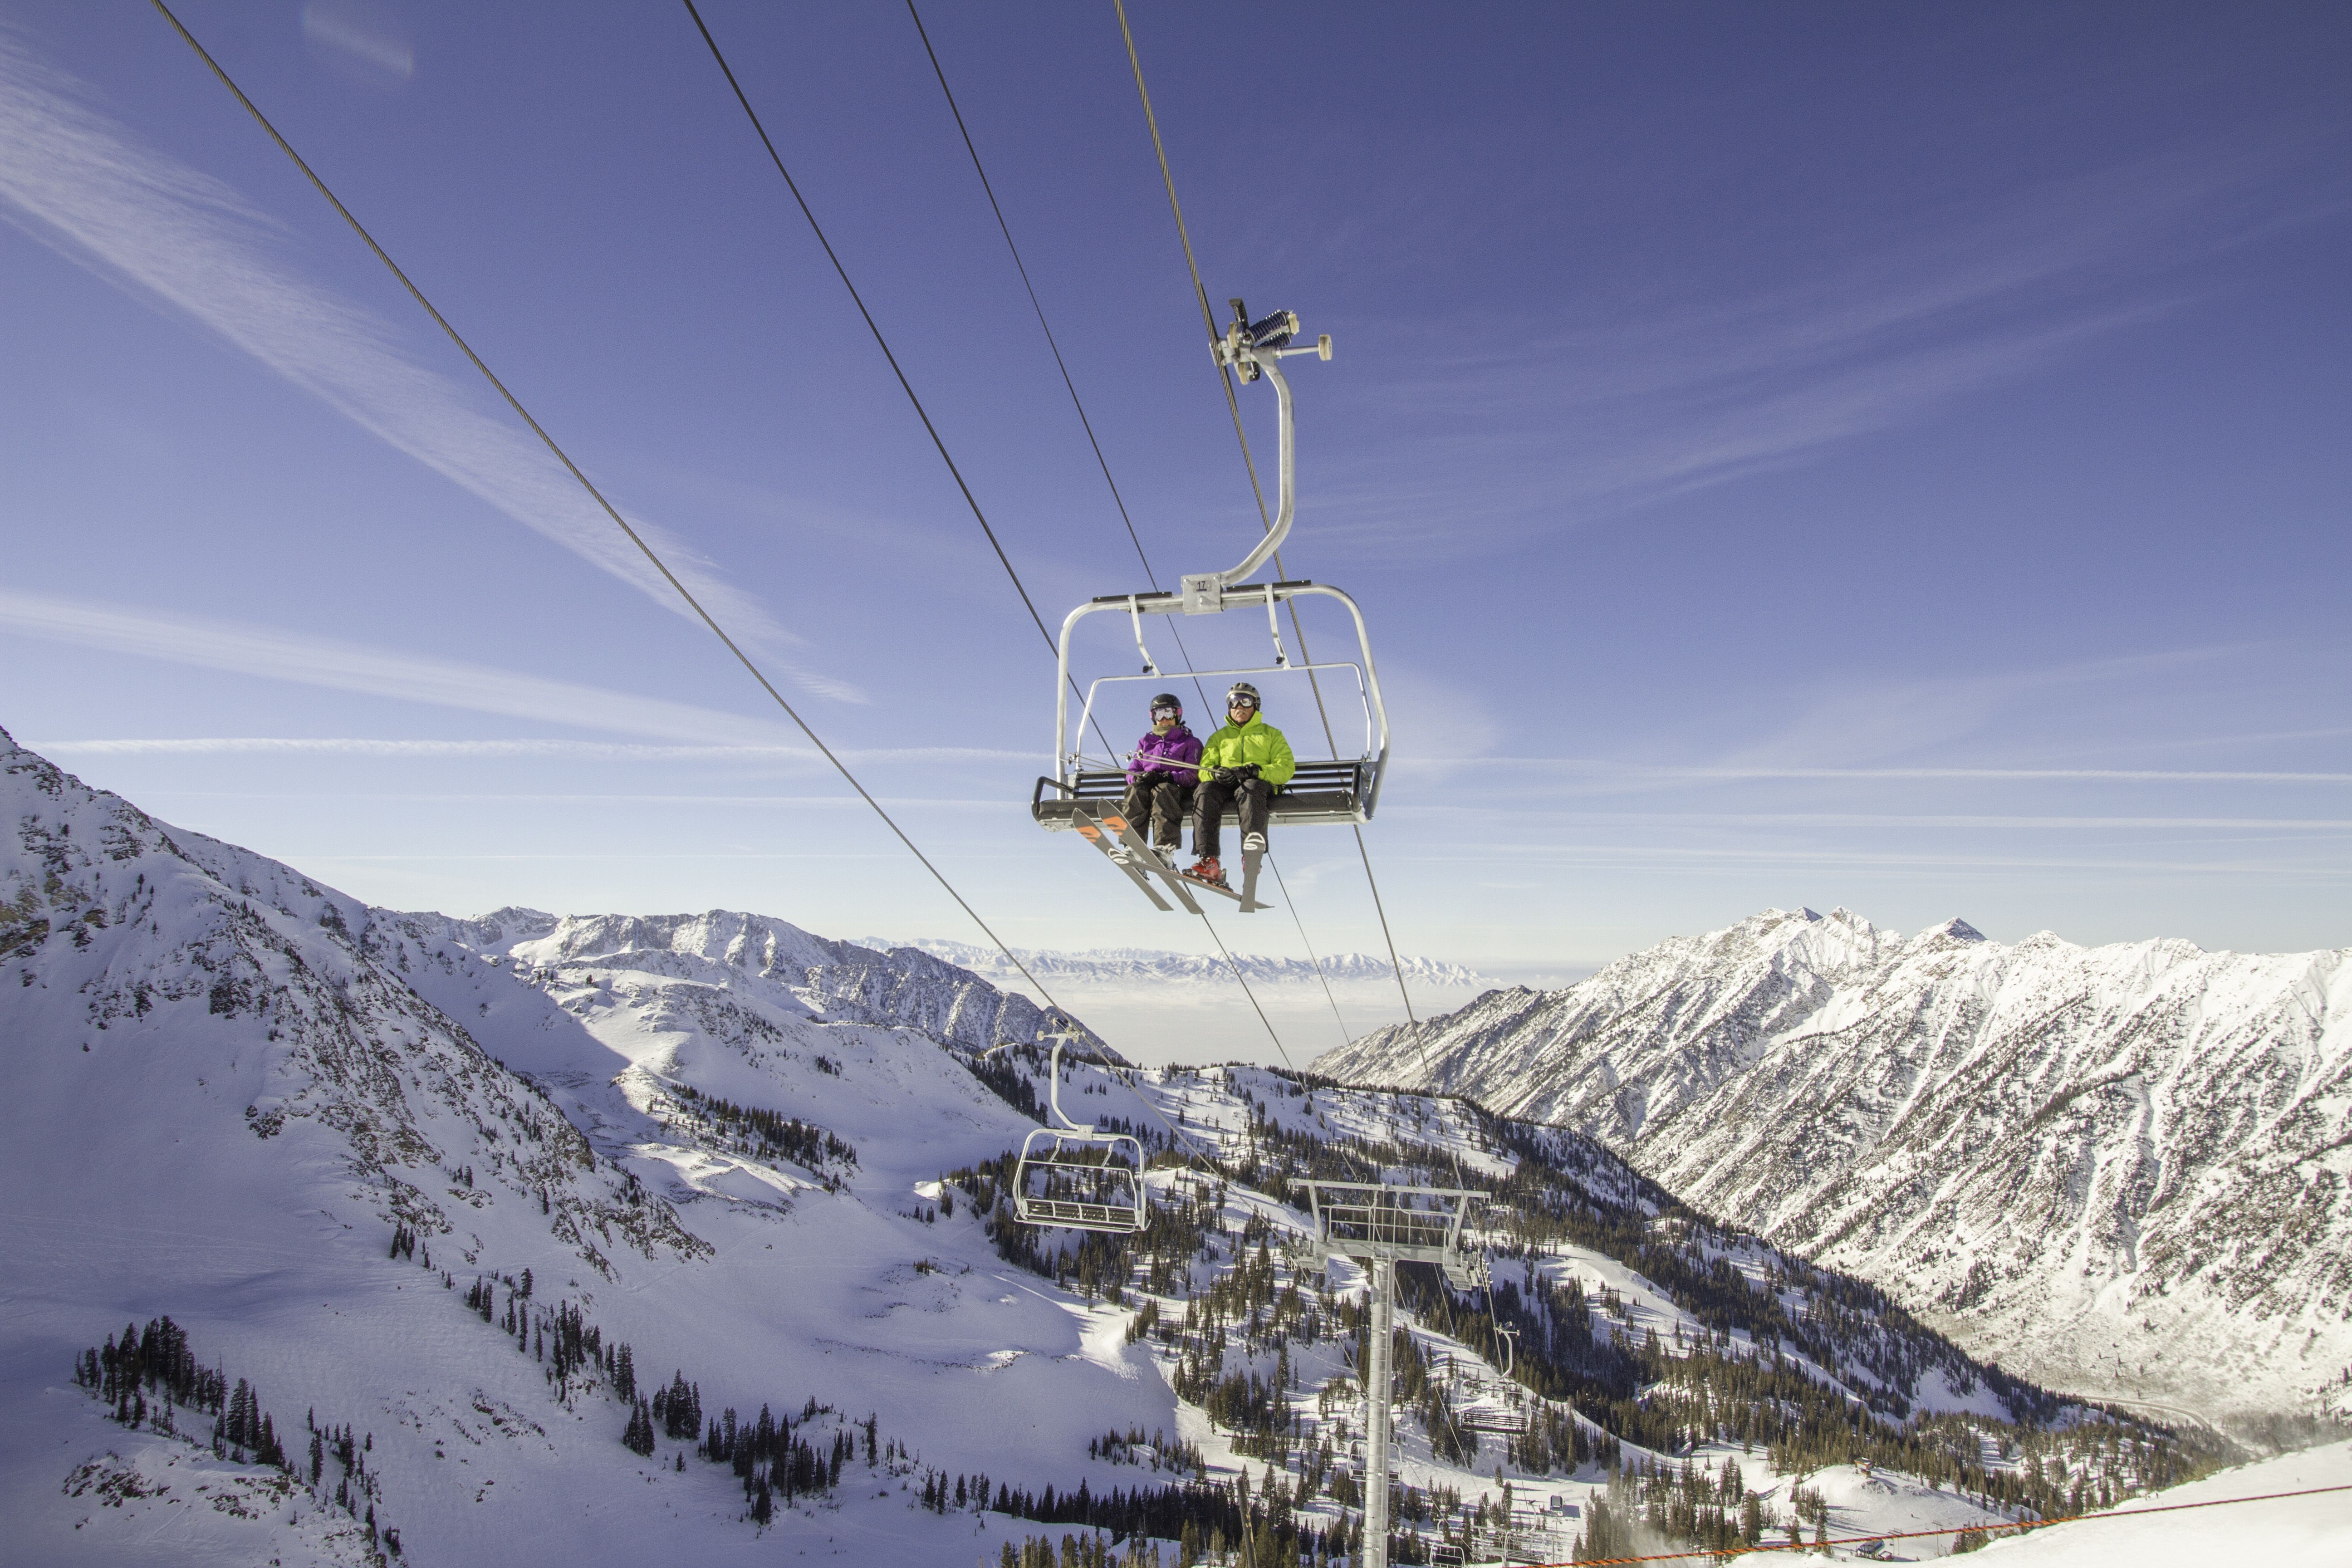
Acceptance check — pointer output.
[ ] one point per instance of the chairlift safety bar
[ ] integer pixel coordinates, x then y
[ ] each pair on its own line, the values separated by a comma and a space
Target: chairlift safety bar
1076, 762
1164, 603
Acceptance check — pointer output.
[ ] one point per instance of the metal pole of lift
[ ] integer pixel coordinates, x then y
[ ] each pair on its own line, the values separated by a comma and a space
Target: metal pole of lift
1377, 1390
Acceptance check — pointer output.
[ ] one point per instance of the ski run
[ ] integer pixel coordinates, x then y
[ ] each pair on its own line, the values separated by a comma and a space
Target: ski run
347, 1236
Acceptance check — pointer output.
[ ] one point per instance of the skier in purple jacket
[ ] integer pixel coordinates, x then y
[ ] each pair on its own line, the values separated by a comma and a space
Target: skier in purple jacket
1160, 774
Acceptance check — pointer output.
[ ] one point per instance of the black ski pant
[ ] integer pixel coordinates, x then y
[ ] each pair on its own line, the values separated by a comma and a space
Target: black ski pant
1160, 798
1252, 800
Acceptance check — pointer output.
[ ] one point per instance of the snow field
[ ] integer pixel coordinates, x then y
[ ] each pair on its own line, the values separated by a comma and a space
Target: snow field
229, 1085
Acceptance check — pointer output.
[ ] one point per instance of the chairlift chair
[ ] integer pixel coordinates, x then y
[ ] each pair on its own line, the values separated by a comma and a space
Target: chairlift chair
1504, 1422
1073, 1176
1086, 793
1376, 1220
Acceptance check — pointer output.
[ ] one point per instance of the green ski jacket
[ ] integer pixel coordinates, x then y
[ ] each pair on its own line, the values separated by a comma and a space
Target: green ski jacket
1256, 741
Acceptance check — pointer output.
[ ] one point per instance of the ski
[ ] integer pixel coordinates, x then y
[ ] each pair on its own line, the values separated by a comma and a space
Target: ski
1108, 841
1149, 860
1251, 861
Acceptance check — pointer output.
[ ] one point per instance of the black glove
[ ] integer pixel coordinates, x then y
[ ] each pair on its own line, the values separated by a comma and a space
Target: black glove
1224, 775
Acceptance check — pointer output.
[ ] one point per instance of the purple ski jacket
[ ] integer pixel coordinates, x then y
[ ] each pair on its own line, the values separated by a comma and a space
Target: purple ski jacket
1179, 750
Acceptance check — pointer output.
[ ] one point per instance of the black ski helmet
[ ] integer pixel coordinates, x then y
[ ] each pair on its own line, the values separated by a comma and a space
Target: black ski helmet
1243, 688
1167, 699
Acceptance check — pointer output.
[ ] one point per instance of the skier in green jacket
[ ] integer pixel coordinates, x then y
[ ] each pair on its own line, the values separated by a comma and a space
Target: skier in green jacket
1245, 765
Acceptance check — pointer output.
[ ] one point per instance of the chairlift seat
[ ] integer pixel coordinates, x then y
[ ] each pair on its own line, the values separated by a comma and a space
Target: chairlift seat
1501, 1423
1321, 794
1073, 1176
1081, 1181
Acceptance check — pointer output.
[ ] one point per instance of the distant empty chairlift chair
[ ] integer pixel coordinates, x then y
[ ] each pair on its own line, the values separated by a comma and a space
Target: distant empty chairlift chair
1084, 794
1072, 1175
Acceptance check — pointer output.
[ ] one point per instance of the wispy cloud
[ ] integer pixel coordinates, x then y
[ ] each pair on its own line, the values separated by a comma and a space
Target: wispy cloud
1673, 774
378, 672
81, 182
1707, 860
1859, 719
363, 37
1877, 820
567, 751
1642, 398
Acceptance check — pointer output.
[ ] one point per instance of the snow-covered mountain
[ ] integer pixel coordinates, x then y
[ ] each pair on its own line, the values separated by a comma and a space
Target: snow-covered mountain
314, 1135
2122, 1170
632, 1239
836, 982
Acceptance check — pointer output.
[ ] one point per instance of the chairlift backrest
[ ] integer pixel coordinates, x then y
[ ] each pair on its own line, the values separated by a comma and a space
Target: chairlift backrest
1073, 1176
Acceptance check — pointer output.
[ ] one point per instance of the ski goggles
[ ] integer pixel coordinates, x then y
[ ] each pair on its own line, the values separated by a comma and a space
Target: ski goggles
1242, 701
1159, 713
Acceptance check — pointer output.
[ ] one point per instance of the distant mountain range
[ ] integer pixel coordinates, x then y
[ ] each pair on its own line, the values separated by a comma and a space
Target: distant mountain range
1136, 966
2123, 1170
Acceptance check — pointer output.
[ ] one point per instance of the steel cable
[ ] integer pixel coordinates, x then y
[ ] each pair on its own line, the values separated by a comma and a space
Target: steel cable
1101, 461
633, 537
840, 270
881, 342
598, 497
1233, 405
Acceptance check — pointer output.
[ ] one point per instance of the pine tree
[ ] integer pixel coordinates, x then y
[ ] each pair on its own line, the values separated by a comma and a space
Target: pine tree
639, 1437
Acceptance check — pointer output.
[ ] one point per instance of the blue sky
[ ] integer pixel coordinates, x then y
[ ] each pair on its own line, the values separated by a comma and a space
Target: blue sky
1836, 455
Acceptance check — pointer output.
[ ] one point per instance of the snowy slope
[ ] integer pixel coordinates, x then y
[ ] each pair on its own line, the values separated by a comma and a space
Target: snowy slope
235, 1091
226, 1093
2295, 1530
2121, 1170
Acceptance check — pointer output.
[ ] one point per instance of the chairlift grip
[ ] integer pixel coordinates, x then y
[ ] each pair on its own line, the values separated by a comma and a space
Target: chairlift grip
1207, 587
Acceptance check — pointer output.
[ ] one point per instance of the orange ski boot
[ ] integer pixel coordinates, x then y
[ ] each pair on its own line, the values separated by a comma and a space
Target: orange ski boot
1208, 871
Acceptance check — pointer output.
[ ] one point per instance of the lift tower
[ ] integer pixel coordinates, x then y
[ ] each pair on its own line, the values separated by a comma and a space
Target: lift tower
1380, 1225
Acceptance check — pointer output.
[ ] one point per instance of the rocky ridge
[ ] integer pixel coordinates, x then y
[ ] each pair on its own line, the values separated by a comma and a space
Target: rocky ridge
2122, 1170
